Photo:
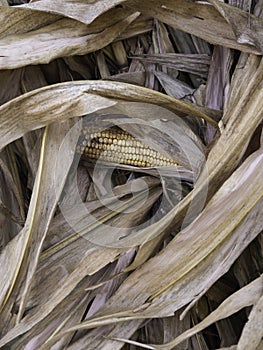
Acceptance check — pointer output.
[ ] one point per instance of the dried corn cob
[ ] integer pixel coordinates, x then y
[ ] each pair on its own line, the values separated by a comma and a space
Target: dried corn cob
115, 145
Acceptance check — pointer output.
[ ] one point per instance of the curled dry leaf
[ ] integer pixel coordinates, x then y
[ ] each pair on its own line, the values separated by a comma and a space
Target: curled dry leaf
66, 100
179, 14
28, 17
191, 63
42, 205
174, 87
150, 297
252, 333
244, 297
57, 268
65, 37
247, 27
85, 12
14, 21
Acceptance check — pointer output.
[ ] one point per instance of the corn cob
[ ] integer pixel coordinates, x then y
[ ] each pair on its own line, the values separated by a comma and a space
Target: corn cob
115, 145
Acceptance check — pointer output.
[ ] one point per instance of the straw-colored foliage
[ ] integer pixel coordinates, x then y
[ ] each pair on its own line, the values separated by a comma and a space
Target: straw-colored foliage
99, 255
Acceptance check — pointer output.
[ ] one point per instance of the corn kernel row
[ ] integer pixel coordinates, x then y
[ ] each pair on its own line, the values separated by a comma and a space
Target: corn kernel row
117, 146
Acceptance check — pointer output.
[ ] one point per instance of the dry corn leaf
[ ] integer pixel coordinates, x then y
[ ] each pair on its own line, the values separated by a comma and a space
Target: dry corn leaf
83, 11
91, 257
227, 132
219, 77
60, 230
252, 332
209, 241
191, 63
11, 174
59, 102
65, 37
18, 21
246, 26
174, 87
141, 25
136, 78
12, 212
28, 17
247, 70
69, 309
134, 93
72, 308
246, 296
43, 203
198, 19
79, 269
44, 106
225, 154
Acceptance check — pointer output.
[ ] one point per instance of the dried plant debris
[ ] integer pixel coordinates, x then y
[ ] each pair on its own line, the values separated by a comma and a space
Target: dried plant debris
131, 174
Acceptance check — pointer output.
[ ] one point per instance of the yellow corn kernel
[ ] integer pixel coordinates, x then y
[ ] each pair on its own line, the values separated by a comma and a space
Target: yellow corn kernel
116, 145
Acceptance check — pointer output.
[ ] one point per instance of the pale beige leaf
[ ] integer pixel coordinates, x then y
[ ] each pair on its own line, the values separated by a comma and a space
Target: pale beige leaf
246, 68
28, 17
134, 93
21, 21
72, 307
62, 101
252, 333
83, 11
92, 258
136, 78
191, 63
198, 19
246, 26
42, 206
93, 255
151, 297
213, 233
173, 87
65, 37
11, 174
218, 81
57, 272
142, 24
46, 105
246, 296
